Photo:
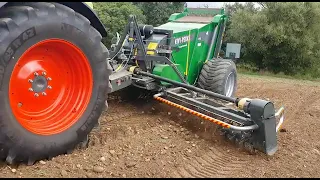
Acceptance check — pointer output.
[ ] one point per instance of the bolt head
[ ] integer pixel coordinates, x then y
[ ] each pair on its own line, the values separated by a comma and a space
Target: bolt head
49, 79
35, 73
30, 89
49, 87
44, 94
44, 73
30, 81
36, 94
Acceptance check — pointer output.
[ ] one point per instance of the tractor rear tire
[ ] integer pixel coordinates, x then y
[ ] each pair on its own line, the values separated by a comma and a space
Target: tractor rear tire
219, 76
53, 80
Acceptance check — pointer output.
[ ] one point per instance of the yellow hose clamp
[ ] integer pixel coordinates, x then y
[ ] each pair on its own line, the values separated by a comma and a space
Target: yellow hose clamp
242, 102
131, 69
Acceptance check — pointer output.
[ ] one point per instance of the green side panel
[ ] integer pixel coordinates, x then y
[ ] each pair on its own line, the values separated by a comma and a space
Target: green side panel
166, 71
219, 20
183, 56
193, 41
199, 53
176, 16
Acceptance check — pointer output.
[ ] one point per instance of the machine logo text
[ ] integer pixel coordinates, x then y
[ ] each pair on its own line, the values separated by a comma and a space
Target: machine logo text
181, 40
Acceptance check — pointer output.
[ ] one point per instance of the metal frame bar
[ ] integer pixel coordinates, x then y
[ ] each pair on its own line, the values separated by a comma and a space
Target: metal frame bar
216, 121
213, 107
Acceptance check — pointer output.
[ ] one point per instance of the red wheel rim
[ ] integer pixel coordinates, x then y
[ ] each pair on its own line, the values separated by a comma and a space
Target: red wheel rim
50, 87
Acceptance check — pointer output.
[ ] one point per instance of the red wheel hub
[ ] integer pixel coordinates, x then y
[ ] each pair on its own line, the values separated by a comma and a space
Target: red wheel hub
50, 87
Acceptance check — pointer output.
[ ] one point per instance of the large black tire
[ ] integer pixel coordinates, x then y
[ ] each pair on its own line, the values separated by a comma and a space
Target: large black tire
36, 22
214, 77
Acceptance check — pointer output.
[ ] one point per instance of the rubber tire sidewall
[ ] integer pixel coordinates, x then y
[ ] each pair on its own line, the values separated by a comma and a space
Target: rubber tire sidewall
231, 69
14, 135
212, 76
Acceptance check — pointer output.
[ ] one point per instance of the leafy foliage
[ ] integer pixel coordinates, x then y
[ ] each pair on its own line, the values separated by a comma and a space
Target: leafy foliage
281, 37
277, 36
114, 15
158, 13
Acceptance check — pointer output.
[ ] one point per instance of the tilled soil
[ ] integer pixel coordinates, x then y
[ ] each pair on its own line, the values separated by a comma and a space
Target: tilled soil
149, 139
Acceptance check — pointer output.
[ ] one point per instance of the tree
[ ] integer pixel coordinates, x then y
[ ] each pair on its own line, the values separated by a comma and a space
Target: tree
114, 15
231, 9
158, 13
281, 37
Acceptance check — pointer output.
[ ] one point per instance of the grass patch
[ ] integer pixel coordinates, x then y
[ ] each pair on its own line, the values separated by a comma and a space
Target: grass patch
253, 72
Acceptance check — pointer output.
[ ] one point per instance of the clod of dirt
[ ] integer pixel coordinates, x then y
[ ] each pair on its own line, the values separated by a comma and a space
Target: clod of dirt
130, 164
164, 137
13, 170
102, 159
42, 162
196, 136
283, 130
169, 113
78, 166
89, 175
98, 169
316, 151
147, 159
193, 145
182, 129
166, 147
112, 152
64, 173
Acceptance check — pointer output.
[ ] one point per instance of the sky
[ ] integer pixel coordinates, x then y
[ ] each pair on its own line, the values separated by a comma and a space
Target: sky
211, 4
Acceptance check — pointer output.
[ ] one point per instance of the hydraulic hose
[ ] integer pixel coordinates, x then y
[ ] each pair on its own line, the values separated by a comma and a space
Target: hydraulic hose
190, 87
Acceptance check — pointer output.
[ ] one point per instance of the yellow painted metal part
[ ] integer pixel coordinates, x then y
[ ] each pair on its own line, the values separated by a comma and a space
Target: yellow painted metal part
131, 69
187, 65
152, 46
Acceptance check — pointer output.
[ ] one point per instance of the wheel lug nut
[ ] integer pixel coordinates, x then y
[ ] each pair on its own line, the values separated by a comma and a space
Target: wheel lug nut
44, 94
30, 81
35, 73
49, 87
49, 79
30, 89
36, 94
44, 73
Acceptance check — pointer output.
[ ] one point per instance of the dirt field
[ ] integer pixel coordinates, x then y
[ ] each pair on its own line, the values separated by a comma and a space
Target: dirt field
148, 139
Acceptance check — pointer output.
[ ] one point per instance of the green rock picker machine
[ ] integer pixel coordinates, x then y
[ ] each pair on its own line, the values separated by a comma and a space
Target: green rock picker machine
55, 74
